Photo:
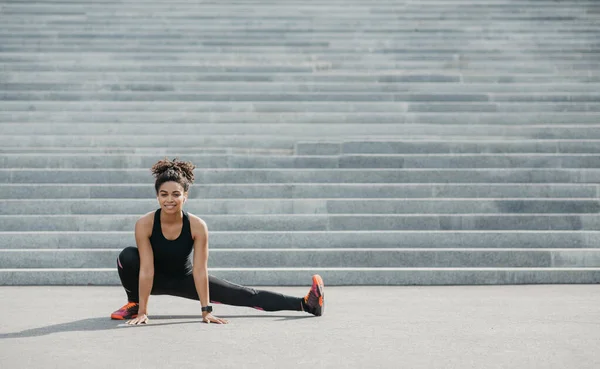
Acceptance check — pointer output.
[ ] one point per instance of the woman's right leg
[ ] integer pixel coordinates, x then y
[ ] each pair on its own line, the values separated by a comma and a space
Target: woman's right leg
128, 265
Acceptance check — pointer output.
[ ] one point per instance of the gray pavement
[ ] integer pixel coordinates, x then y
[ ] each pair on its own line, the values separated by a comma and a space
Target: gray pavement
541, 326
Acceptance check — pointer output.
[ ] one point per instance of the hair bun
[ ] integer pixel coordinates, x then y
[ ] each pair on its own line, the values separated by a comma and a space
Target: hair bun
178, 167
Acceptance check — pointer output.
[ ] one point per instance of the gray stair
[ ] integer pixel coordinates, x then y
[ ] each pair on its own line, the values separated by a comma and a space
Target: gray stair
427, 239
384, 142
318, 222
447, 147
305, 190
308, 206
326, 258
480, 160
311, 175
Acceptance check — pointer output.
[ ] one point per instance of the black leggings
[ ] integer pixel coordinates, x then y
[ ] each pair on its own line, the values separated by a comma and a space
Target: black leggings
221, 291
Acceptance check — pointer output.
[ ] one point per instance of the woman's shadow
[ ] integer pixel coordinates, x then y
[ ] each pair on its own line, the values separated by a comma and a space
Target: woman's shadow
102, 324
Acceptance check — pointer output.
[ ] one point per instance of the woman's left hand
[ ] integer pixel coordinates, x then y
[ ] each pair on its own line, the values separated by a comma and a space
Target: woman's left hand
141, 319
209, 318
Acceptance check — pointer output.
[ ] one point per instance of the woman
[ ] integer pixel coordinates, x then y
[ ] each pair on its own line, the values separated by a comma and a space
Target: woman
161, 265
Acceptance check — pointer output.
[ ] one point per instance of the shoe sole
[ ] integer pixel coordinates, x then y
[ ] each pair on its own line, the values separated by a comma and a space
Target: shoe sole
119, 317
318, 285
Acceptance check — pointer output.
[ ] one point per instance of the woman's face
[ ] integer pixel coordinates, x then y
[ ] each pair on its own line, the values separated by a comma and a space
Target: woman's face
171, 197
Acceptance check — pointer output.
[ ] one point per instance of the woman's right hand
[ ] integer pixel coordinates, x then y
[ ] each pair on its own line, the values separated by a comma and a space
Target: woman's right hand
141, 319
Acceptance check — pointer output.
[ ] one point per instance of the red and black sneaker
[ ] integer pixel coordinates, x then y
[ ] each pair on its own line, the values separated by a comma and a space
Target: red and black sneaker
128, 311
314, 301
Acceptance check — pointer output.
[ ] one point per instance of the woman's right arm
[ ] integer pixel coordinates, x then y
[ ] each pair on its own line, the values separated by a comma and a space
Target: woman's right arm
143, 231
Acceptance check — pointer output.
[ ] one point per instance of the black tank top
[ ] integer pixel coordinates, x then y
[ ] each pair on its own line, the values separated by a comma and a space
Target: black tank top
172, 257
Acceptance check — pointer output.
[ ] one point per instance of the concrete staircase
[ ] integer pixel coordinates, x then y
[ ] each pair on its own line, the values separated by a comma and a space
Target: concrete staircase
374, 142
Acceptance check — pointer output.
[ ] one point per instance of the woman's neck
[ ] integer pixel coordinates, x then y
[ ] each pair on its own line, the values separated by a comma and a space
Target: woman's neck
171, 218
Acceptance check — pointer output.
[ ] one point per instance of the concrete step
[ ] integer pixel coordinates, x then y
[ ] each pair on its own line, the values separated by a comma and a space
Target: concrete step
95, 83
453, 160
401, 49
335, 32
447, 53
541, 4
429, 239
302, 175
323, 18
301, 12
193, 45
206, 37
266, 7
335, 147
323, 21
302, 9
59, 160
468, 161
443, 46
338, 17
406, 76
212, 21
443, 146
307, 206
307, 130
378, 7
156, 143
117, 27
143, 31
339, 37
519, 21
503, 101
304, 190
180, 144
126, 19
316, 222
431, 66
142, 150
325, 114
331, 276
324, 258
382, 3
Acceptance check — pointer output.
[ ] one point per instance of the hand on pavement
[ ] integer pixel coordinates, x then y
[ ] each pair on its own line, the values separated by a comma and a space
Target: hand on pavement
209, 318
141, 319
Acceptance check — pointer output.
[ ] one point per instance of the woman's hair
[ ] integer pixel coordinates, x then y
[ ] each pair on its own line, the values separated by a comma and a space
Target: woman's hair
178, 171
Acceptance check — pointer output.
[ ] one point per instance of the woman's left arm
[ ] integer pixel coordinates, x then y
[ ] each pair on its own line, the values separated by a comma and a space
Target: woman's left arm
200, 267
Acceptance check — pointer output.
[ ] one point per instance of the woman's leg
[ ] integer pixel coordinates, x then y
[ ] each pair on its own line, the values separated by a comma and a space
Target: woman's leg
128, 265
220, 290
225, 292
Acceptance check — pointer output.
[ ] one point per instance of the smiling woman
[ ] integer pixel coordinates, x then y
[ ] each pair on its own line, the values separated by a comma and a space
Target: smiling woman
161, 263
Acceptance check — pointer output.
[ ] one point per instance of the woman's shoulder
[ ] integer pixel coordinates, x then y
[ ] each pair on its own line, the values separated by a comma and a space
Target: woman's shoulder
143, 226
196, 223
146, 221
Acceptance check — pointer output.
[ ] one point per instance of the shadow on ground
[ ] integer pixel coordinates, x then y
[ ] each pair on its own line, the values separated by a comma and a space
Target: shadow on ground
102, 324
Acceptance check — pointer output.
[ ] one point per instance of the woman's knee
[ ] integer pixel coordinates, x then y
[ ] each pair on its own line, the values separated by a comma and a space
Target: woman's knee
129, 258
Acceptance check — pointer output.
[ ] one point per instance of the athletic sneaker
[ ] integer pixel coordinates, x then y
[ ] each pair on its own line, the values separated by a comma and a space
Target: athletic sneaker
128, 311
314, 301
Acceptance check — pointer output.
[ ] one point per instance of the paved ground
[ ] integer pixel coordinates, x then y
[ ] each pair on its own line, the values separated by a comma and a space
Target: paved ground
555, 326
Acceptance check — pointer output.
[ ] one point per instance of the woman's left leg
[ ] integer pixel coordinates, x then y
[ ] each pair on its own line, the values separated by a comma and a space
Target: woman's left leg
225, 292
